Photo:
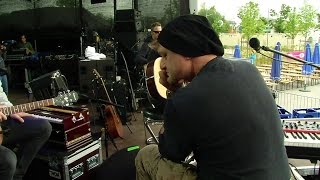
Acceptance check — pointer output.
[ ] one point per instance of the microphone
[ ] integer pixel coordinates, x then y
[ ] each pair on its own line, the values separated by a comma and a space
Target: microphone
255, 44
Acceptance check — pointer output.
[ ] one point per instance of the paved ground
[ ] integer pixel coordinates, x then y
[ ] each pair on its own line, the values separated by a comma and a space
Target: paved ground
295, 98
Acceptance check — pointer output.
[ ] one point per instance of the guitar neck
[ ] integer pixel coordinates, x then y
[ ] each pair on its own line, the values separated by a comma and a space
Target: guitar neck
26, 107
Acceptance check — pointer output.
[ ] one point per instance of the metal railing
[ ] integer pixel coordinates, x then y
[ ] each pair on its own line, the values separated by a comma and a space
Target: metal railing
290, 101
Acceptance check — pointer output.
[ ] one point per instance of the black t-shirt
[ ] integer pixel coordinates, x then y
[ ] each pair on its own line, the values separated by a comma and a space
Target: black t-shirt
228, 118
146, 54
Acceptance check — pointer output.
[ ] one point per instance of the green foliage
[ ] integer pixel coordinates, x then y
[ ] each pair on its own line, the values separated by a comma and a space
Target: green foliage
278, 23
65, 3
307, 17
291, 25
318, 21
218, 22
251, 23
292, 22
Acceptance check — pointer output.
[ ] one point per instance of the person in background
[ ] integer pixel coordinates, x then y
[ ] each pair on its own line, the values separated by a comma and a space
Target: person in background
24, 44
21, 137
224, 114
146, 53
32, 56
3, 69
253, 57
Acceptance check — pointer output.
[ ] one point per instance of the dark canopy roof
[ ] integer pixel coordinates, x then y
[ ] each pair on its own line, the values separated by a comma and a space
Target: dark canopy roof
55, 20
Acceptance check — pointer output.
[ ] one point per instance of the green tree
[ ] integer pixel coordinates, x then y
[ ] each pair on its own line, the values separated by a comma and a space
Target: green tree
291, 25
251, 23
318, 21
218, 22
307, 17
280, 18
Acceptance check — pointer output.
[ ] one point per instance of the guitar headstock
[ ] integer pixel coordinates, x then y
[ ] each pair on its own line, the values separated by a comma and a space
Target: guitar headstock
65, 98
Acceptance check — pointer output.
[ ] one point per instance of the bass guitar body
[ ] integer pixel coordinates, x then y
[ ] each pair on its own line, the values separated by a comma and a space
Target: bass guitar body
114, 124
155, 90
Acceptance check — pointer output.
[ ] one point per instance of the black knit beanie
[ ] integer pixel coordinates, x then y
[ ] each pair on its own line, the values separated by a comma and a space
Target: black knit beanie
191, 36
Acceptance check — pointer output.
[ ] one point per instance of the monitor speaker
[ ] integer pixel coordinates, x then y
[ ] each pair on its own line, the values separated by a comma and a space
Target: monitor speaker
106, 69
127, 15
128, 26
130, 40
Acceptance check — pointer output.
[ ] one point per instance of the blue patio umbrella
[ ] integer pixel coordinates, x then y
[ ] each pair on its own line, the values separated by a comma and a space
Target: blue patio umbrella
276, 64
237, 53
316, 54
307, 69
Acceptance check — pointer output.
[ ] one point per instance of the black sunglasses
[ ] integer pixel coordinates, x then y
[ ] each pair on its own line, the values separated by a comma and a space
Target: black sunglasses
158, 32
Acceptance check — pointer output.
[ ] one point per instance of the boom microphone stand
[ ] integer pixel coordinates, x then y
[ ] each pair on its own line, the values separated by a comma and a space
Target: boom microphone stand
255, 44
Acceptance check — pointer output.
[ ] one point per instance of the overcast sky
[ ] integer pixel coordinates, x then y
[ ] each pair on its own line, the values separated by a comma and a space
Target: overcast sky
229, 8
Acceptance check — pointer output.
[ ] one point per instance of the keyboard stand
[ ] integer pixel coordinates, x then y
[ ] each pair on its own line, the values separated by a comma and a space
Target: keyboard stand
295, 172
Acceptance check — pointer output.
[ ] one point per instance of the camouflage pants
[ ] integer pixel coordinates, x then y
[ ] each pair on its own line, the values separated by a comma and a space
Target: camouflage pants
150, 165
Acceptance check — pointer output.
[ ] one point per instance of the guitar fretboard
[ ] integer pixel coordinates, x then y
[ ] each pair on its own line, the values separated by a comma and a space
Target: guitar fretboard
26, 107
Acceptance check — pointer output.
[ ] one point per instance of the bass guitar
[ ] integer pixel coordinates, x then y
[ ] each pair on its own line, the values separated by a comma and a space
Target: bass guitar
113, 123
62, 99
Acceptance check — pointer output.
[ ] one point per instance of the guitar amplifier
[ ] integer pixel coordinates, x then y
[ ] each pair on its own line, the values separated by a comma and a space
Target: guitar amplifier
70, 126
48, 85
50, 164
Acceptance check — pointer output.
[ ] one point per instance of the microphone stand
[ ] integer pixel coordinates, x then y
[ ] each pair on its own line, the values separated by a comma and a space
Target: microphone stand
294, 58
290, 57
101, 101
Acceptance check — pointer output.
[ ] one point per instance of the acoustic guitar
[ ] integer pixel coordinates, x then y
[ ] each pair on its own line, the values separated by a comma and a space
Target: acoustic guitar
62, 99
113, 123
155, 89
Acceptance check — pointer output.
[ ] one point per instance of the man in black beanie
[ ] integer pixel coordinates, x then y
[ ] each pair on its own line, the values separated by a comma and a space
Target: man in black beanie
225, 115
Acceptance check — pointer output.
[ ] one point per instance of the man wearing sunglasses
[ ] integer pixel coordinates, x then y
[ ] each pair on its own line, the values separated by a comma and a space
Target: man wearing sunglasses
146, 54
